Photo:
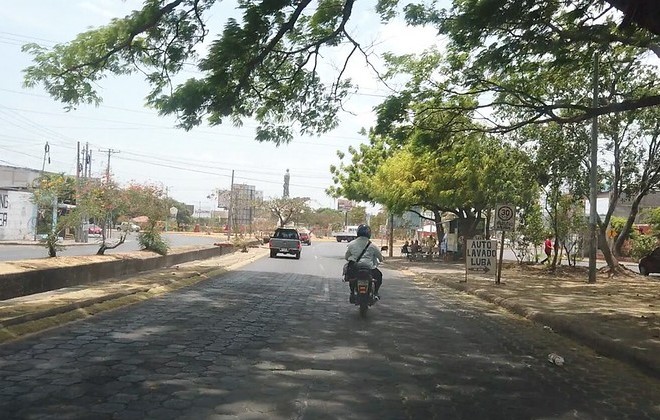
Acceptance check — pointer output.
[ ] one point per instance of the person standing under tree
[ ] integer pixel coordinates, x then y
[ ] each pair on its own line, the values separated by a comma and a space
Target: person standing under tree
547, 248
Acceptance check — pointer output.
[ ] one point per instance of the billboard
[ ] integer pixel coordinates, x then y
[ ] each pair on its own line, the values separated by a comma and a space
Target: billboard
224, 198
344, 204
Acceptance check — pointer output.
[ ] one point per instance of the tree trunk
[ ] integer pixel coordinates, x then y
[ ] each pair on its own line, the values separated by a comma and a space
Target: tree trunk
627, 228
105, 246
488, 216
439, 229
644, 13
610, 259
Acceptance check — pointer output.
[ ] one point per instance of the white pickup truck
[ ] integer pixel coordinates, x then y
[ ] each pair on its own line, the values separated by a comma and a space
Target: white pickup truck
348, 234
285, 241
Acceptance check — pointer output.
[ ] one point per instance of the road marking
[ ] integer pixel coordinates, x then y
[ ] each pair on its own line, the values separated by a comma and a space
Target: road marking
326, 292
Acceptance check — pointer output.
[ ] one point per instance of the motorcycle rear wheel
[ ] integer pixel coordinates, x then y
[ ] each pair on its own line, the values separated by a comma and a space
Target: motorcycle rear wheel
363, 308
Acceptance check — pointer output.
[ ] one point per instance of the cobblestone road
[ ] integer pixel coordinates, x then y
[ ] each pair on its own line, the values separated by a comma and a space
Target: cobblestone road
255, 344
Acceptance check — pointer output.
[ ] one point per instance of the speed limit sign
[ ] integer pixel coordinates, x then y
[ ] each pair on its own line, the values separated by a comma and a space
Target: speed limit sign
505, 217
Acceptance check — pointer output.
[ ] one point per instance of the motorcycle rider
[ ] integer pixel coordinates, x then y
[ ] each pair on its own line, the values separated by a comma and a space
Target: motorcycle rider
371, 257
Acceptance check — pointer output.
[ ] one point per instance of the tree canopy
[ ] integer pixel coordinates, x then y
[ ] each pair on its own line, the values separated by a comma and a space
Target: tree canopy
265, 63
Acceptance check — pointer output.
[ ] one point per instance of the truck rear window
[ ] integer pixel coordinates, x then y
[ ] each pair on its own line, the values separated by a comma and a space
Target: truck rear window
286, 234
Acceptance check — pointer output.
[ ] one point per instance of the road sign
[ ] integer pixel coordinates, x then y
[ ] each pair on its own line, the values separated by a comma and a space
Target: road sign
481, 256
505, 217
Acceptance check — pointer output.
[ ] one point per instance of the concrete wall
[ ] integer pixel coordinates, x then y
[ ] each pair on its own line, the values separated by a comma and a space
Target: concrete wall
14, 177
38, 281
17, 215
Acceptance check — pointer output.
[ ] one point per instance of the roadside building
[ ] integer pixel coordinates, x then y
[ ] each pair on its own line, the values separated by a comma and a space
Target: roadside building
18, 214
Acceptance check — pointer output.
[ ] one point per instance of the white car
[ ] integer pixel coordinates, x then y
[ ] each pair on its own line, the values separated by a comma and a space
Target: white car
128, 227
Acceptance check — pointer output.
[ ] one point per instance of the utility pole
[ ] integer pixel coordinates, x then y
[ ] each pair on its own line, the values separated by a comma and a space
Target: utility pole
87, 162
78, 165
593, 180
78, 228
391, 241
231, 203
107, 169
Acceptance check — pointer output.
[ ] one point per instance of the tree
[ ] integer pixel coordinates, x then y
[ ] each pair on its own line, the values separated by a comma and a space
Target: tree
529, 231
652, 217
511, 55
325, 220
287, 208
99, 200
646, 177
267, 65
148, 200
357, 215
382, 218
183, 215
467, 176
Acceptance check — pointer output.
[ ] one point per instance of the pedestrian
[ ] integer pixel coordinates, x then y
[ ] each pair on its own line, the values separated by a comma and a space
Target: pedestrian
404, 249
547, 248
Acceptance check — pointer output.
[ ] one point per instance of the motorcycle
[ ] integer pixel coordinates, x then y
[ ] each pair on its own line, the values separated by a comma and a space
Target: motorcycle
364, 286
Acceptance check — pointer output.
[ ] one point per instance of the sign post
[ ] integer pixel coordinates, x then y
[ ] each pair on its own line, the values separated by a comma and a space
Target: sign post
481, 256
505, 219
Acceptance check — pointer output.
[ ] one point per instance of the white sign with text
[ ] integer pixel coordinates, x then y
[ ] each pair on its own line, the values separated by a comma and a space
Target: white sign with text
481, 256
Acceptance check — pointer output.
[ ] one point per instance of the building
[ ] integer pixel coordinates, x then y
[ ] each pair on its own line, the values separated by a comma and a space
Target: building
623, 207
18, 213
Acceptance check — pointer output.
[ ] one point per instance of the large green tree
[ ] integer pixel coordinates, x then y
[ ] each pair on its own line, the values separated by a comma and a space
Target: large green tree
265, 63
466, 175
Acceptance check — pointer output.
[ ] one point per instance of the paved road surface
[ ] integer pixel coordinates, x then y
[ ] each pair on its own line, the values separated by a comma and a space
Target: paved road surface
278, 340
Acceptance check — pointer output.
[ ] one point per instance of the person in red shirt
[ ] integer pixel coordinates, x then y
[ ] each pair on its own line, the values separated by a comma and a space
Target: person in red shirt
547, 248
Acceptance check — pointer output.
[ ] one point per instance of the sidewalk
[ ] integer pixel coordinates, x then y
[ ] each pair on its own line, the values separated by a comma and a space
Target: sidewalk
616, 317
38, 312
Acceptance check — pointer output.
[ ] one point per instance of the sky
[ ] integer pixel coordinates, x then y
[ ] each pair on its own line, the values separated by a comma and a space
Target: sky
148, 148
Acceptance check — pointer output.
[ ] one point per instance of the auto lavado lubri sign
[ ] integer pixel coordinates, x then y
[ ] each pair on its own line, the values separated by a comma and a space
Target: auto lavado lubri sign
481, 256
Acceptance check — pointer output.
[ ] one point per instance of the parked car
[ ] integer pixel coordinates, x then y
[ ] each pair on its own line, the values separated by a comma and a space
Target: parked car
94, 230
305, 238
650, 263
128, 227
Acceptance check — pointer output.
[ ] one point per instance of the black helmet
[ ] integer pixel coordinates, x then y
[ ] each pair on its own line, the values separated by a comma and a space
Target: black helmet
364, 230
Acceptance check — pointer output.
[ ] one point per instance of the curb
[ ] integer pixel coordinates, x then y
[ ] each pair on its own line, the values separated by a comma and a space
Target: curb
564, 326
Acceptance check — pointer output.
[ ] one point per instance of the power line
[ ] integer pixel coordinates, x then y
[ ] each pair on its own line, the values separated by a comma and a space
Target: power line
152, 126
200, 171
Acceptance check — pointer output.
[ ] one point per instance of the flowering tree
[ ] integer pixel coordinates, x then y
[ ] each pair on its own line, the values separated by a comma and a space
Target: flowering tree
147, 200
99, 200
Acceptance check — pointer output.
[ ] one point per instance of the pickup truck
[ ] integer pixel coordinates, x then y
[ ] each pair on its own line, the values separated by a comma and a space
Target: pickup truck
348, 234
285, 241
